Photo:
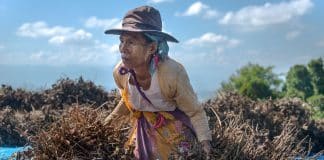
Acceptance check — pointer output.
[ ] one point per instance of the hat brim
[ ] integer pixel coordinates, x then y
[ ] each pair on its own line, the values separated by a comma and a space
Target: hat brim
166, 36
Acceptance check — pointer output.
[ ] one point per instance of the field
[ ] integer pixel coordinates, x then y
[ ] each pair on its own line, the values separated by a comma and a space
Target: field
66, 122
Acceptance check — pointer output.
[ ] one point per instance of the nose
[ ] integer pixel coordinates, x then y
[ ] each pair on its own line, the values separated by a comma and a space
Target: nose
122, 47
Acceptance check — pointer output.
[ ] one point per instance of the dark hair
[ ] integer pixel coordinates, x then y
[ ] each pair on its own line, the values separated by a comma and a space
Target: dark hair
147, 39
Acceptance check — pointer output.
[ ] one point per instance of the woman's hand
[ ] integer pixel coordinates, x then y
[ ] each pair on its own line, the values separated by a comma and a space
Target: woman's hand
206, 147
108, 120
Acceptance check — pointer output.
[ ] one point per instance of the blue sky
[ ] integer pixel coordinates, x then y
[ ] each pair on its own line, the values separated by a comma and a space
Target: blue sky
42, 41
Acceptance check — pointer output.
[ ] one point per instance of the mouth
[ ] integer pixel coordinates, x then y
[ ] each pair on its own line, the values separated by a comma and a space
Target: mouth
124, 58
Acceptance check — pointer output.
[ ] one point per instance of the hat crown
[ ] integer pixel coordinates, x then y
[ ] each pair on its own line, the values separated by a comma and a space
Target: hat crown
144, 18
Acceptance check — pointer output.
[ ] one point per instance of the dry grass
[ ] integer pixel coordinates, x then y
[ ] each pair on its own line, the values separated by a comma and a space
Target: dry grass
65, 127
80, 134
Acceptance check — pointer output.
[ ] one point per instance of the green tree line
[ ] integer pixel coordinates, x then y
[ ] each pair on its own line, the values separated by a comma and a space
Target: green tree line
303, 81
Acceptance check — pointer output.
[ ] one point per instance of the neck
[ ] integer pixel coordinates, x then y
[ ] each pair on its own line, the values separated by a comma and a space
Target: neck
142, 72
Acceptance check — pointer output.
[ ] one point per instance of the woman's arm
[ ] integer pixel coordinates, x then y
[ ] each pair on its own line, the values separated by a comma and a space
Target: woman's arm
120, 110
187, 101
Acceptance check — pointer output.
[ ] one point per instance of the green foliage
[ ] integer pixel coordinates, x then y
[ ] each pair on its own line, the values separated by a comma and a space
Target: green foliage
317, 104
299, 82
254, 81
258, 82
318, 115
316, 69
256, 88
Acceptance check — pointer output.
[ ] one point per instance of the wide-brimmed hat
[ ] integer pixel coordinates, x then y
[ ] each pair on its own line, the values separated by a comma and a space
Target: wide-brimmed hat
143, 19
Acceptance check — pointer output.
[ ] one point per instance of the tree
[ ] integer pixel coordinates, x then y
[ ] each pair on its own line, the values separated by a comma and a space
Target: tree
299, 82
316, 69
256, 88
317, 104
254, 81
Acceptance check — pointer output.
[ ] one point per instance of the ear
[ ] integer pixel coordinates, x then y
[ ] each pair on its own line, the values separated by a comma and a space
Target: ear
153, 47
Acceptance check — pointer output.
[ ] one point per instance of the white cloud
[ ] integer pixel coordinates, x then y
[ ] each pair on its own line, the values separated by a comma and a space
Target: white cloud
267, 14
110, 48
211, 14
233, 42
73, 37
213, 45
195, 9
40, 29
94, 22
320, 43
211, 39
37, 56
159, 1
114, 48
70, 46
57, 35
292, 35
118, 25
207, 38
99, 54
199, 8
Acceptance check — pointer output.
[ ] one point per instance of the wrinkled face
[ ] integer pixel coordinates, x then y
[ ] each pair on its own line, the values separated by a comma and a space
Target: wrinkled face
135, 50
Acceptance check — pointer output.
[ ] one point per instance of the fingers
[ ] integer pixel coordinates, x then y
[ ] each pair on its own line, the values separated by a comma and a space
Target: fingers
207, 152
207, 148
107, 121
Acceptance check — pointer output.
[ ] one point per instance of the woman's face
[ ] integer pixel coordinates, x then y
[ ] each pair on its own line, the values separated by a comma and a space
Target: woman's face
135, 50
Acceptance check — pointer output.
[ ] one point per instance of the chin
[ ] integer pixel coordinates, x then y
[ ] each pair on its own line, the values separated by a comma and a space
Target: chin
127, 65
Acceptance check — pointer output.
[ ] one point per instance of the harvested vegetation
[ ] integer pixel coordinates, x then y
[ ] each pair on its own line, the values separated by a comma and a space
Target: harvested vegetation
80, 134
66, 122
62, 94
25, 113
271, 129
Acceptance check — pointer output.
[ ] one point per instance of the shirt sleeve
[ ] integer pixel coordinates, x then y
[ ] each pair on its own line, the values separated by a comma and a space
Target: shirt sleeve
120, 109
187, 101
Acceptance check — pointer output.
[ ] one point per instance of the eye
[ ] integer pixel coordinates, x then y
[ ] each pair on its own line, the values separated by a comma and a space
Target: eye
131, 42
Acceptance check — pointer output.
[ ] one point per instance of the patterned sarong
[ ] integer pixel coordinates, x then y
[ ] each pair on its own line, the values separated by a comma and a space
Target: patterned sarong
159, 135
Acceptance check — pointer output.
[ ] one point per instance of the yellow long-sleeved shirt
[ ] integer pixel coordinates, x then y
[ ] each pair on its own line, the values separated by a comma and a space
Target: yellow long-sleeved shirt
175, 88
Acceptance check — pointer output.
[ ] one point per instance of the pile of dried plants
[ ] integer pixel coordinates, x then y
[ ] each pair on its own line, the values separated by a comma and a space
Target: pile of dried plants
80, 134
66, 122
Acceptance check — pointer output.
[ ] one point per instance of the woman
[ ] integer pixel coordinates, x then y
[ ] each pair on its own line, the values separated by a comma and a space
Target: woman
155, 90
